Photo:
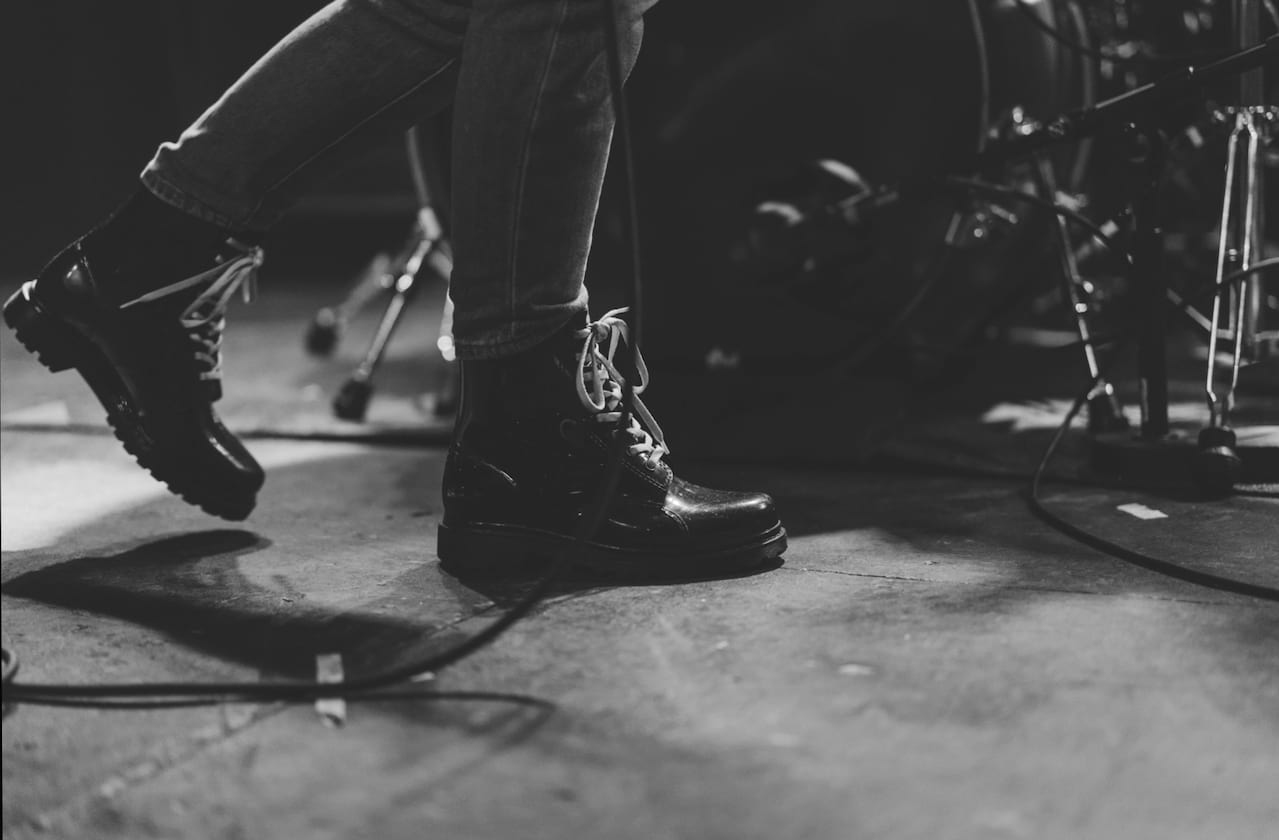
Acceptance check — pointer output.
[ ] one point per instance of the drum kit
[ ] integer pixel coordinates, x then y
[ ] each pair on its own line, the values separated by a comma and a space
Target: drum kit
1141, 149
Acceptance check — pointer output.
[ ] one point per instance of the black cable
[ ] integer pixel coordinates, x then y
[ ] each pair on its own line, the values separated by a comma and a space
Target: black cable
979, 186
625, 145
220, 692
1269, 264
1051, 31
1137, 558
1033, 495
424, 693
289, 691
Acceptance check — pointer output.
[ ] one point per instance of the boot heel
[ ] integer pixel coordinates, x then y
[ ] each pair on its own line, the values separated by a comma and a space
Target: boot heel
52, 343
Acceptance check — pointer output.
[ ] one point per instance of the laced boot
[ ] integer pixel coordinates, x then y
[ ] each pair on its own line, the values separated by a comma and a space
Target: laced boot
533, 438
154, 362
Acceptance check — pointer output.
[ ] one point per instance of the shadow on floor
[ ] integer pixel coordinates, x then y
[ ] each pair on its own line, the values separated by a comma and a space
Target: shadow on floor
189, 587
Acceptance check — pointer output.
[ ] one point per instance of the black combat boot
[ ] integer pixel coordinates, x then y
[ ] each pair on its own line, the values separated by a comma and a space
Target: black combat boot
532, 441
150, 350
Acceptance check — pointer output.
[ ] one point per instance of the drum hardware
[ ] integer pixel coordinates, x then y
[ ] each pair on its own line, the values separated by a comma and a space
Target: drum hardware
1139, 116
1105, 413
832, 223
1218, 462
1241, 245
424, 255
789, 235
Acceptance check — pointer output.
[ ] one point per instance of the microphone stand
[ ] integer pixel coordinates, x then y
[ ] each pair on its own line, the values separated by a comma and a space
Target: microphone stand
1216, 465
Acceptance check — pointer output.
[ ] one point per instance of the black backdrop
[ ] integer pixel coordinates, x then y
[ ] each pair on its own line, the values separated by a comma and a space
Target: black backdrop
729, 98
91, 87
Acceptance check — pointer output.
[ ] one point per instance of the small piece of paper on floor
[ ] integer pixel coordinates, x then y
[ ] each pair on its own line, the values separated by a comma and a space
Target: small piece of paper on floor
1142, 512
328, 669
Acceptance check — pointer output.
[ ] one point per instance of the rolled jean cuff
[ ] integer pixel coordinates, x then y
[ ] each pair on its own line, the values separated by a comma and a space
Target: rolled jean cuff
519, 336
171, 186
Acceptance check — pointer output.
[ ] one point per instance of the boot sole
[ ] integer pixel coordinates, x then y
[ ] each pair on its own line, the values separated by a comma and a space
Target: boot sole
60, 346
494, 548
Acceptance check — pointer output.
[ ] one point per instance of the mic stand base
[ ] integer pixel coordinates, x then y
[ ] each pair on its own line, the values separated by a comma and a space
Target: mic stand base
1181, 460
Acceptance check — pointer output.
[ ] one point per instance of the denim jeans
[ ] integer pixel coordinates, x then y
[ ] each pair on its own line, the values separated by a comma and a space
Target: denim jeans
532, 126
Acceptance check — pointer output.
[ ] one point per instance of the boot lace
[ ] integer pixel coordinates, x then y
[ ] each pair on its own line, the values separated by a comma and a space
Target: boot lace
205, 317
600, 341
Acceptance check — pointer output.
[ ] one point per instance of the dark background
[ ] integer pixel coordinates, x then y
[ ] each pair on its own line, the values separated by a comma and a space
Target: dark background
729, 100
90, 89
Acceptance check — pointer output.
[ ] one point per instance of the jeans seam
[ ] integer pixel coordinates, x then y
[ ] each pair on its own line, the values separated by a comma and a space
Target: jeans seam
266, 194
512, 284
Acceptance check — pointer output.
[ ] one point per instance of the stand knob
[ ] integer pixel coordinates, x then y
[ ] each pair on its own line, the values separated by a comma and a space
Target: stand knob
1216, 466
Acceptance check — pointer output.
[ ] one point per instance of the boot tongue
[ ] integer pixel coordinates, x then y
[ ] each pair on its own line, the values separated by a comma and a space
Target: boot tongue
198, 302
602, 382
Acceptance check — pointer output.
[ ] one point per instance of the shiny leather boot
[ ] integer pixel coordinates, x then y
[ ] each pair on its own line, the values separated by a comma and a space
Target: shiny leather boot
532, 441
154, 362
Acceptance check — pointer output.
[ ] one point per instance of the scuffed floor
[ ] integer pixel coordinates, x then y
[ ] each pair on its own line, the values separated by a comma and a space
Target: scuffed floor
929, 662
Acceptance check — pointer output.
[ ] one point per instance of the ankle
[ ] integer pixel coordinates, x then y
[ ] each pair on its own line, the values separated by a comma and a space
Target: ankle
147, 243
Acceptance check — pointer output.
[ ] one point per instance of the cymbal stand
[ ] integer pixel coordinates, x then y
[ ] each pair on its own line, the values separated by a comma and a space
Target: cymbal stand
1104, 411
1215, 466
1241, 245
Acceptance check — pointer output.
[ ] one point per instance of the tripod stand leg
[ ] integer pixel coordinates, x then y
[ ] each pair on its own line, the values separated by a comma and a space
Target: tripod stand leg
330, 322
1217, 464
1104, 412
353, 398
1224, 257
378, 277
426, 250
1251, 247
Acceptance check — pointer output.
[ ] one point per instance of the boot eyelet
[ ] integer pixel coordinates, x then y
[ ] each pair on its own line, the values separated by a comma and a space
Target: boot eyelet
568, 430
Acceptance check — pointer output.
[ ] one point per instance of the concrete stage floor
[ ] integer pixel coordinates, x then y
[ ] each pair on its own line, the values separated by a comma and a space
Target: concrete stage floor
930, 661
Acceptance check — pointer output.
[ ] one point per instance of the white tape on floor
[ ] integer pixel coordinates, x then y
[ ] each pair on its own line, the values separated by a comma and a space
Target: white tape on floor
1142, 512
328, 669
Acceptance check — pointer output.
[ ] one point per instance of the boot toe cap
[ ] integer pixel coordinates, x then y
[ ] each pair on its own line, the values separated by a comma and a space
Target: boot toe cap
726, 514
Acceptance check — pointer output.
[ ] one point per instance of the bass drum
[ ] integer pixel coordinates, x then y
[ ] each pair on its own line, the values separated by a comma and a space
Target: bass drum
729, 105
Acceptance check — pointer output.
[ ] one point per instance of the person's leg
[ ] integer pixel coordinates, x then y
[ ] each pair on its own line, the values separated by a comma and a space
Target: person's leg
136, 306
541, 395
532, 128
357, 69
